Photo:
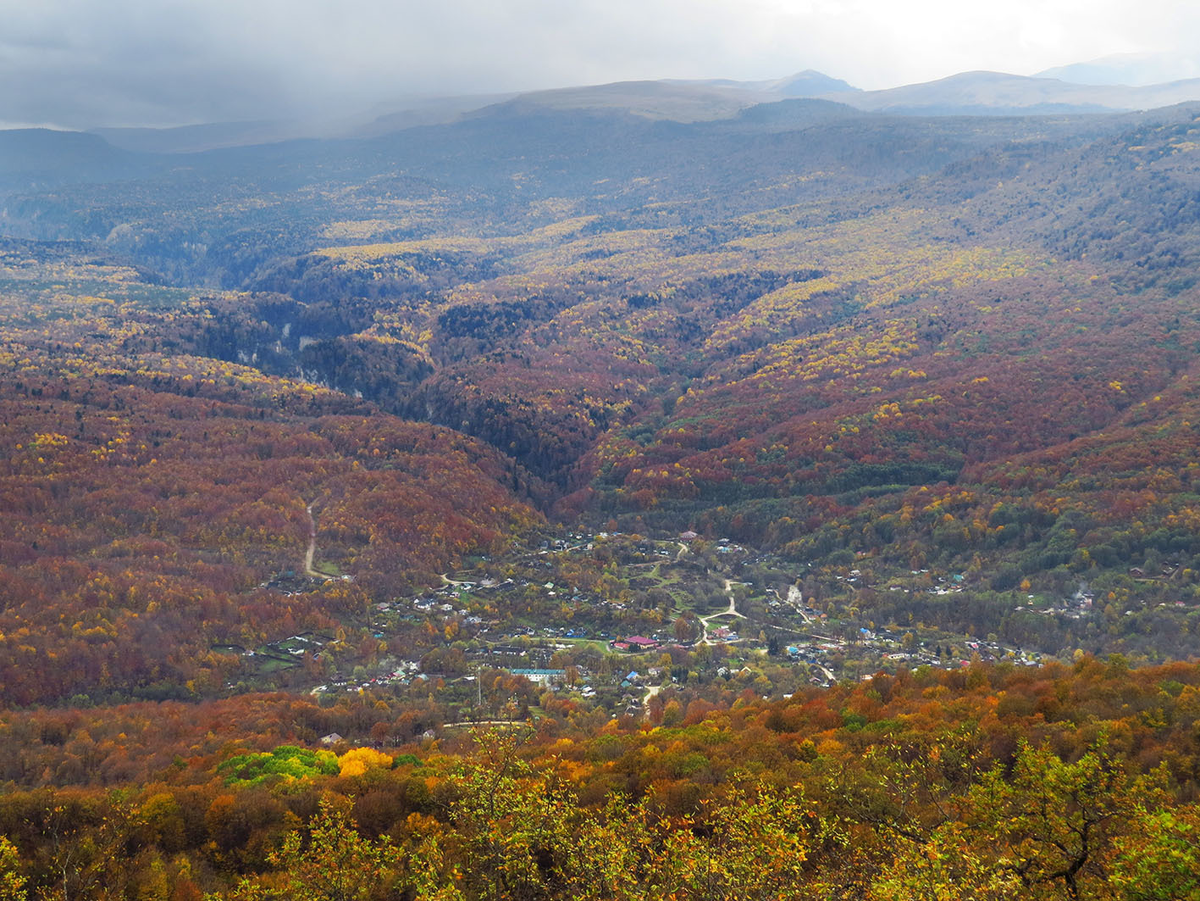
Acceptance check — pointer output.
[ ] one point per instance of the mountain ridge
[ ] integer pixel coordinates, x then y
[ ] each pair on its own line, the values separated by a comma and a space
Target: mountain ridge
998, 93
685, 100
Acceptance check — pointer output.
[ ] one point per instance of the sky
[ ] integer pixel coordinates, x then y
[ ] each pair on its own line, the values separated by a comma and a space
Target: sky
87, 63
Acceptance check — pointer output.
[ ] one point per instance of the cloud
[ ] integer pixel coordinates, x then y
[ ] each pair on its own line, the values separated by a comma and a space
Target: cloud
82, 63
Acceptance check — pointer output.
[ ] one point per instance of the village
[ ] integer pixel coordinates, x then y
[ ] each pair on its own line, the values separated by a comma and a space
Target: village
614, 620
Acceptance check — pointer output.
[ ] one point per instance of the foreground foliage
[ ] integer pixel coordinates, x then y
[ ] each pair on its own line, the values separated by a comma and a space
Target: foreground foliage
989, 783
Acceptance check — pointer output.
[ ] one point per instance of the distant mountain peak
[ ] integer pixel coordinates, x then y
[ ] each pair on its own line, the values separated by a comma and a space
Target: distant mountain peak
680, 101
1131, 69
999, 93
810, 83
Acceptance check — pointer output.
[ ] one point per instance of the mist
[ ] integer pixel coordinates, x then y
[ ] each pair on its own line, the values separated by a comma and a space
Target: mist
72, 63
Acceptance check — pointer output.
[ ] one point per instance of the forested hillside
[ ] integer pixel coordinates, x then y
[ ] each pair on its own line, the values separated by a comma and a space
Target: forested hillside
948, 342
158, 504
990, 783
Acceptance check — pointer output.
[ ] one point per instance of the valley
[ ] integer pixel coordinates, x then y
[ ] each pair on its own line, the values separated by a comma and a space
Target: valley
777, 490
576, 601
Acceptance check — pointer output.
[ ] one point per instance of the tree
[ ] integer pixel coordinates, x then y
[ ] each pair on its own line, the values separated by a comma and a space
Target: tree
1054, 821
687, 628
86, 844
336, 864
12, 882
946, 867
357, 761
512, 820
750, 844
606, 854
1160, 859
1045, 831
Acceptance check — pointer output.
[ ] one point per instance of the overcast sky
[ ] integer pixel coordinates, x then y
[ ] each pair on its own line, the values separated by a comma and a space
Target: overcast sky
79, 63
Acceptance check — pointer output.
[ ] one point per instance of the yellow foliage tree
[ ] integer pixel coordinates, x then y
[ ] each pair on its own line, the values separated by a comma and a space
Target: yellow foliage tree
357, 761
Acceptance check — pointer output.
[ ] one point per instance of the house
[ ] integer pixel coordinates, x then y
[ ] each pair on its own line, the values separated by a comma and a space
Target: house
643, 643
543, 677
331, 739
636, 643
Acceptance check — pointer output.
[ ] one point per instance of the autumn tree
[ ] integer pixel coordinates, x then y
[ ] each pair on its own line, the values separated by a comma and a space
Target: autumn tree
12, 882
335, 863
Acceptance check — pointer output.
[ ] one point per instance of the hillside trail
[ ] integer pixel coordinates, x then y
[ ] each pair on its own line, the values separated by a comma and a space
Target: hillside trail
732, 610
796, 599
651, 691
312, 547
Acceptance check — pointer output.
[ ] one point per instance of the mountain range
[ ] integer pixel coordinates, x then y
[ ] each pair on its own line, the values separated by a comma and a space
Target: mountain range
696, 442
1067, 90
802, 325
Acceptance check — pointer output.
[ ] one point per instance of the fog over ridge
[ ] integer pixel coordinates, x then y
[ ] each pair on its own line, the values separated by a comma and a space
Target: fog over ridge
78, 64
